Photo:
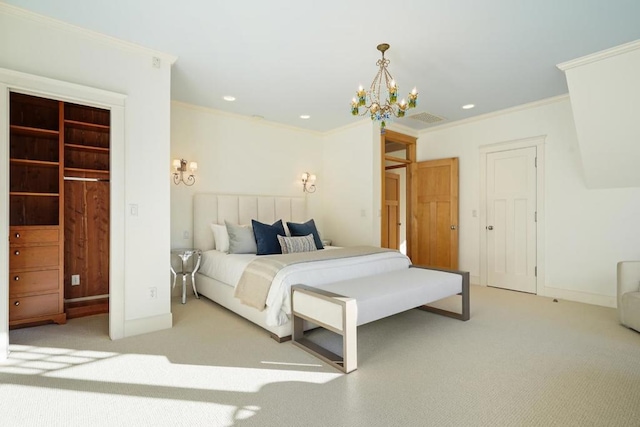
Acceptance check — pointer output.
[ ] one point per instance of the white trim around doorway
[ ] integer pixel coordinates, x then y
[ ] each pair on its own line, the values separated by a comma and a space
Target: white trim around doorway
539, 143
40, 86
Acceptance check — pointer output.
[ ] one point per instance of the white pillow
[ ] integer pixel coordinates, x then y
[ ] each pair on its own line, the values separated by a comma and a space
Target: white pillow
220, 237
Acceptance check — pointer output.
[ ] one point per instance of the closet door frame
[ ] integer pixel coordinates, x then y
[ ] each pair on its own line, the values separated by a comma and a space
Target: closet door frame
13, 81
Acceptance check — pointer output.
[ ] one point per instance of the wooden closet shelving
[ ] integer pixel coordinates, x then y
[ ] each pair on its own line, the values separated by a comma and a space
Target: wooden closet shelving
58, 228
35, 211
86, 226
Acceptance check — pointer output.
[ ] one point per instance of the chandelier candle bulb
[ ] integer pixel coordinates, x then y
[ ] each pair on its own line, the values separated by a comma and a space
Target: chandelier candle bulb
393, 92
362, 95
402, 108
413, 98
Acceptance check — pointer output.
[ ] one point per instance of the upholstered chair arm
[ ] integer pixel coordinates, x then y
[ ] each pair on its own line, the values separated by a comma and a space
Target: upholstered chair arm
628, 277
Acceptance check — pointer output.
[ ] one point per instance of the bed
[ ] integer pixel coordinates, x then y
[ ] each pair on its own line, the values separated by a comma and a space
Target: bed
220, 272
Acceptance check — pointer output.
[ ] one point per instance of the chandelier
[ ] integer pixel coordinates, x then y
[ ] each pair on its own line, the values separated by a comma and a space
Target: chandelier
381, 100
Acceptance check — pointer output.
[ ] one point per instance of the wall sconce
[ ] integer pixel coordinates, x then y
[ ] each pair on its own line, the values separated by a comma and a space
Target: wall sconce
308, 181
181, 167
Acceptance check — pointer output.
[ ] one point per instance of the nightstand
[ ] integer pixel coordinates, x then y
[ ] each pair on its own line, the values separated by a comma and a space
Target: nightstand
184, 254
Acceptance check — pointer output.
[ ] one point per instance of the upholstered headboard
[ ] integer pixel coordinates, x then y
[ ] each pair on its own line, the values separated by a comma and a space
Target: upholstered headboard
241, 209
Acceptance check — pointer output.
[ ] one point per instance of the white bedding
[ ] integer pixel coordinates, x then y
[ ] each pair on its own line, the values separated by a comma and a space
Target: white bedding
228, 268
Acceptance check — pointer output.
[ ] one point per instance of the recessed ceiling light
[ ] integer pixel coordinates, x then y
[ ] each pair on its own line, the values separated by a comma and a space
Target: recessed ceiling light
468, 106
305, 116
229, 98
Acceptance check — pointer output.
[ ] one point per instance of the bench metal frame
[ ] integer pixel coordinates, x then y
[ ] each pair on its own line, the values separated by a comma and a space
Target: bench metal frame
339, 314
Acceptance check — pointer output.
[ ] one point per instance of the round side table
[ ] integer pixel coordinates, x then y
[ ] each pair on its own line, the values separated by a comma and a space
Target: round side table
184, 254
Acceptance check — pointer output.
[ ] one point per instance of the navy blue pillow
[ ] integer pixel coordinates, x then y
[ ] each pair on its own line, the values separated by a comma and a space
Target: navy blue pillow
305, 229
267, 237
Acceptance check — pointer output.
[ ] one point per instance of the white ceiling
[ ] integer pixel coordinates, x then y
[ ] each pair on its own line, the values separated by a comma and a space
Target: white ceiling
284, 58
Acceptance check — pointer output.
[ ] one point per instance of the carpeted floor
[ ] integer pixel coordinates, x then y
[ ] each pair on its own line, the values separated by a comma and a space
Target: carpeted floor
521, 360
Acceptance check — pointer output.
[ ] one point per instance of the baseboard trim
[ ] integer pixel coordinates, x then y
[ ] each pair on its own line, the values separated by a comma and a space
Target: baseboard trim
579, 296
147, 324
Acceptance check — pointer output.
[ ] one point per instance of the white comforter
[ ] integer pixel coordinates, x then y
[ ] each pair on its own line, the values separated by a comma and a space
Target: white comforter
228, 268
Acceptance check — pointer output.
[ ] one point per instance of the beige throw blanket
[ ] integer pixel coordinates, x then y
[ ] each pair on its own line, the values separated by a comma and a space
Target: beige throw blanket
256, 279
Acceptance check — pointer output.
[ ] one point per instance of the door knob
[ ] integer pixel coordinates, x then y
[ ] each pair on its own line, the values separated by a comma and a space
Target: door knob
453, 227
17, 303
490, 227
17, 252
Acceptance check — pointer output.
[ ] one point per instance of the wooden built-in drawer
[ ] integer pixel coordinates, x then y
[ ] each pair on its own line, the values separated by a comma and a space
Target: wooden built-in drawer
33, 235
34, 306
33, 282
33, 257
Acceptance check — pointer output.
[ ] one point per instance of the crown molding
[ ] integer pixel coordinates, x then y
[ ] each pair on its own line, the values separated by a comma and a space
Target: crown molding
242, 117
343, 128
103, 38
396, 127
486, 116
599, 56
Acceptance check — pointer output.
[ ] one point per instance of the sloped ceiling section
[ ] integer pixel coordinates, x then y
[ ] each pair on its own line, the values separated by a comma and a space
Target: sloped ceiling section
605, 98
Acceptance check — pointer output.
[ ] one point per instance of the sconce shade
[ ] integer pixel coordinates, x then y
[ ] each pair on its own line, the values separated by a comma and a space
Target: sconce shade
308, 181
180, 167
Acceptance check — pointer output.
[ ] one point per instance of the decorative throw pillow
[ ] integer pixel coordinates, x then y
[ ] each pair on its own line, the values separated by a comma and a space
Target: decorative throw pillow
241, 239
304, 229
220, 237
267, 237
291, 245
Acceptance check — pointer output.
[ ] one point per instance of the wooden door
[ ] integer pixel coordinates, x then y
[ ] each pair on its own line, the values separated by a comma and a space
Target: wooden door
391, 226
435, 214
511, 219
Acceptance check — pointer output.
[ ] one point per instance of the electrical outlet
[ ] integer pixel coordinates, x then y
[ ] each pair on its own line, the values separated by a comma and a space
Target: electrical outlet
75, 280
153, 293
185, 234
156, 62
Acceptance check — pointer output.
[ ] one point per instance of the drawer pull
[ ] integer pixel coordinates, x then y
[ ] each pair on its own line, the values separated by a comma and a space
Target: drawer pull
17, 235
17, 303
16, 278
17, 252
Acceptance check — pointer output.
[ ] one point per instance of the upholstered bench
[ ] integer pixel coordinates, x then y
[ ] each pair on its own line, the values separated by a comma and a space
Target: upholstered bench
343, 306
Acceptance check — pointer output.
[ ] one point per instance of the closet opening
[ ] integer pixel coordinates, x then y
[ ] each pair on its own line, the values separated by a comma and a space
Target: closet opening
59, 210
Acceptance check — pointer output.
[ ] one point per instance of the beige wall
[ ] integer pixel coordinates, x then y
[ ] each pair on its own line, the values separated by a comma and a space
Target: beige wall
351, 199
240, 155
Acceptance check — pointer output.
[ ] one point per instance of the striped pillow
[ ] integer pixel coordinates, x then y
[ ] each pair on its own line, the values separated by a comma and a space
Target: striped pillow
291, 245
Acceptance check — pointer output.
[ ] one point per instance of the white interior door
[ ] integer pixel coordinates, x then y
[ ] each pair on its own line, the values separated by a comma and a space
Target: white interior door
511, 219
